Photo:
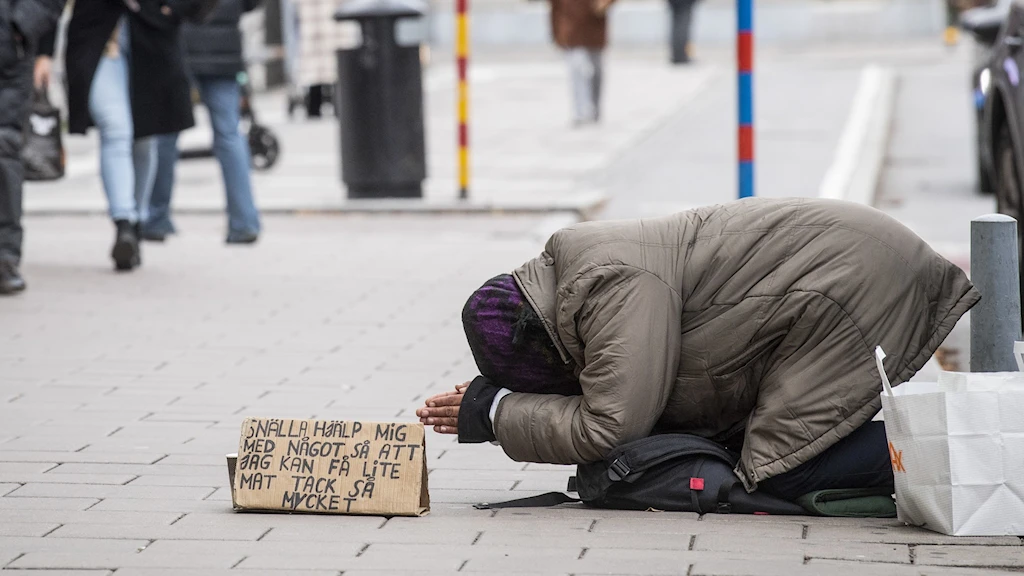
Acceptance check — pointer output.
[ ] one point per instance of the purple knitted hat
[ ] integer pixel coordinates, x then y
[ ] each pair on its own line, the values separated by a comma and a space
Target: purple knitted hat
509, 342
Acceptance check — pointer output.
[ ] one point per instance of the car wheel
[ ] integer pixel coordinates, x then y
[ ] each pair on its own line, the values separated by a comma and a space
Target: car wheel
1008, 192
985, 184
1007, 180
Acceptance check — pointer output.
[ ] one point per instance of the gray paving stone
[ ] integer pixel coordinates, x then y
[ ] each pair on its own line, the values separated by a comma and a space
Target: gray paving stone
582, 539
215, 572
38, 529
594, 561
870, 569
111, 479
408, 557
212, 479
855, 551
441, 520
28, 544
15, 571
16, 468
11, 502
91, 516
524, 570
101, 491
88, 559
762, 567
900, 534
153, 505
97, 457
8, 488
423, 534
988, 556
225, 518
572, 511
685, 523
293, 555
51, 444
156, 532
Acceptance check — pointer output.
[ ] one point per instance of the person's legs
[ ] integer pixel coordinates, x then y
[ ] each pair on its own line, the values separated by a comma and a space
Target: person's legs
15, 87
110, 109
158, 222
861, 460
144, 160
315, 101
221, 96
681, 13
596, 80
581, 77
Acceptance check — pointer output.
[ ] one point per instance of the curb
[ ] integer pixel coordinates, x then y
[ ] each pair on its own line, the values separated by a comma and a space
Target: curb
582, 206
857, 166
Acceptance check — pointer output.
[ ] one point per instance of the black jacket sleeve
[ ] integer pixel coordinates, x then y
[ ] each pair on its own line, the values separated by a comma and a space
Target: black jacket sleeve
46, 43
36, 18
474, 412
250, 5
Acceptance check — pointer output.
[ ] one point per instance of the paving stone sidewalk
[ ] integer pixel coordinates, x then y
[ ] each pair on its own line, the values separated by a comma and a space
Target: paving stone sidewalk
120, 395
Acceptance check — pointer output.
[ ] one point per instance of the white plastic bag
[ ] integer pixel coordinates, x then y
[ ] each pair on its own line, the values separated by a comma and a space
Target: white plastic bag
957, 450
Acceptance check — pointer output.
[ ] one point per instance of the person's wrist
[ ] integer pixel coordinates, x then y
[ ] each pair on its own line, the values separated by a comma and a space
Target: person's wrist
474, 412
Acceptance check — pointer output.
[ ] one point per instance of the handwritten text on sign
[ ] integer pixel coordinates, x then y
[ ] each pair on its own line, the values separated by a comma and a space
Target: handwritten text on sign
333, 467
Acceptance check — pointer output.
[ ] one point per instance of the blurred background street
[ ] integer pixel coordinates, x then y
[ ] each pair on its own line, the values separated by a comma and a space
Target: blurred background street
121, 394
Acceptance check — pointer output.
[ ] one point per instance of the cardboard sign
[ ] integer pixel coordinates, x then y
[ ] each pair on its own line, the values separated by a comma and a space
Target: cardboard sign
330, 467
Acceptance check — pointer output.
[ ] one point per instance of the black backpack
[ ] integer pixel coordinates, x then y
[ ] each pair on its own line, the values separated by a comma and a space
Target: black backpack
672, 472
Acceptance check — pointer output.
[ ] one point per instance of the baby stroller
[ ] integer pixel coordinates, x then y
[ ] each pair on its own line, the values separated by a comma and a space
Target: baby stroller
263, 144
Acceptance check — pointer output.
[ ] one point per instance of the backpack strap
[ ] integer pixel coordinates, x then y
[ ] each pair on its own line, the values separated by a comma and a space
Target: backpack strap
640, 455
697, 486
724, 506
539, 501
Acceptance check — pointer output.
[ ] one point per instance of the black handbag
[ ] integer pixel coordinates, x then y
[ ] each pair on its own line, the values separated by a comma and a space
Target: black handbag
43, 153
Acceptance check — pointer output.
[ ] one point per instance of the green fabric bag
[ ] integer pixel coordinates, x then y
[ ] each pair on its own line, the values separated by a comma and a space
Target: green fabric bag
850, 503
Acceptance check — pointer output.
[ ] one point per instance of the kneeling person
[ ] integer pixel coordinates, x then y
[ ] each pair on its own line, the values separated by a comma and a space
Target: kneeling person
751, 323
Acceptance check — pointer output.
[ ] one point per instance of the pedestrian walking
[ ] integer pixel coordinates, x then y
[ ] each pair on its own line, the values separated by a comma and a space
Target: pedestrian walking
311, 40
126, 76
23, 24
580, 27
679, 33
751, 323
214, 57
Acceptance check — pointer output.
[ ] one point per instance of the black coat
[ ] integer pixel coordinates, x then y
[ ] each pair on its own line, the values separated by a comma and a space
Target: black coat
159, 88
215, 48
32, 20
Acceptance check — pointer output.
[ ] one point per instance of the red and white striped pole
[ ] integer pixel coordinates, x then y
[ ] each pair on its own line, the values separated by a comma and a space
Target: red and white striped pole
462, 65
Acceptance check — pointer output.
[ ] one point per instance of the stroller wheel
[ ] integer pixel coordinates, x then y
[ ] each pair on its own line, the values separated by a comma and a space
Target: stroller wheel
263, 146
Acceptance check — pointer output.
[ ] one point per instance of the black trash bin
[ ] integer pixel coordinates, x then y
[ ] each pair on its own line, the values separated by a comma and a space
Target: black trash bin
380, 104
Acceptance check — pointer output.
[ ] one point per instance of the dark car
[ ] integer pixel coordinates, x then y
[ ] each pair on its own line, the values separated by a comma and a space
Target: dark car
984, 25
999, 101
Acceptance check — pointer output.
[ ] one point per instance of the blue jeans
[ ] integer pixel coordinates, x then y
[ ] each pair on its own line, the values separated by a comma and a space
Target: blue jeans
221, 96
127, 165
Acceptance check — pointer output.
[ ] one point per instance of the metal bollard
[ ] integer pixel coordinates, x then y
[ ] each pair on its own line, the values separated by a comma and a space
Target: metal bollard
995, 321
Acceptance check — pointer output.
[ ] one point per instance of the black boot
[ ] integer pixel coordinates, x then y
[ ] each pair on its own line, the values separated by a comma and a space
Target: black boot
11, 281
126, 246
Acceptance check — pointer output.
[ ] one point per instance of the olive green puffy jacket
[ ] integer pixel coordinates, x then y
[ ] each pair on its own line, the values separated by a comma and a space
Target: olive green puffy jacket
758, 316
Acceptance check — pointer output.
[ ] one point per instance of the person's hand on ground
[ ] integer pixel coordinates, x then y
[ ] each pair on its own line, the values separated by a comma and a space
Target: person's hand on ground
442, 410
41, 74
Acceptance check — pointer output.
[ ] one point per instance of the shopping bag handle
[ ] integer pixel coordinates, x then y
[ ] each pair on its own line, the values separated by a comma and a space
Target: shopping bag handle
880, 355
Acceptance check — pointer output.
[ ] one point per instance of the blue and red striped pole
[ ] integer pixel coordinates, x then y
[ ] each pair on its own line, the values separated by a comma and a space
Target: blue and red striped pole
745, 94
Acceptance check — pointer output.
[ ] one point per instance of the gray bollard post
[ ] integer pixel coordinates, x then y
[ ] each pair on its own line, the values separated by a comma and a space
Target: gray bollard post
995, 321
